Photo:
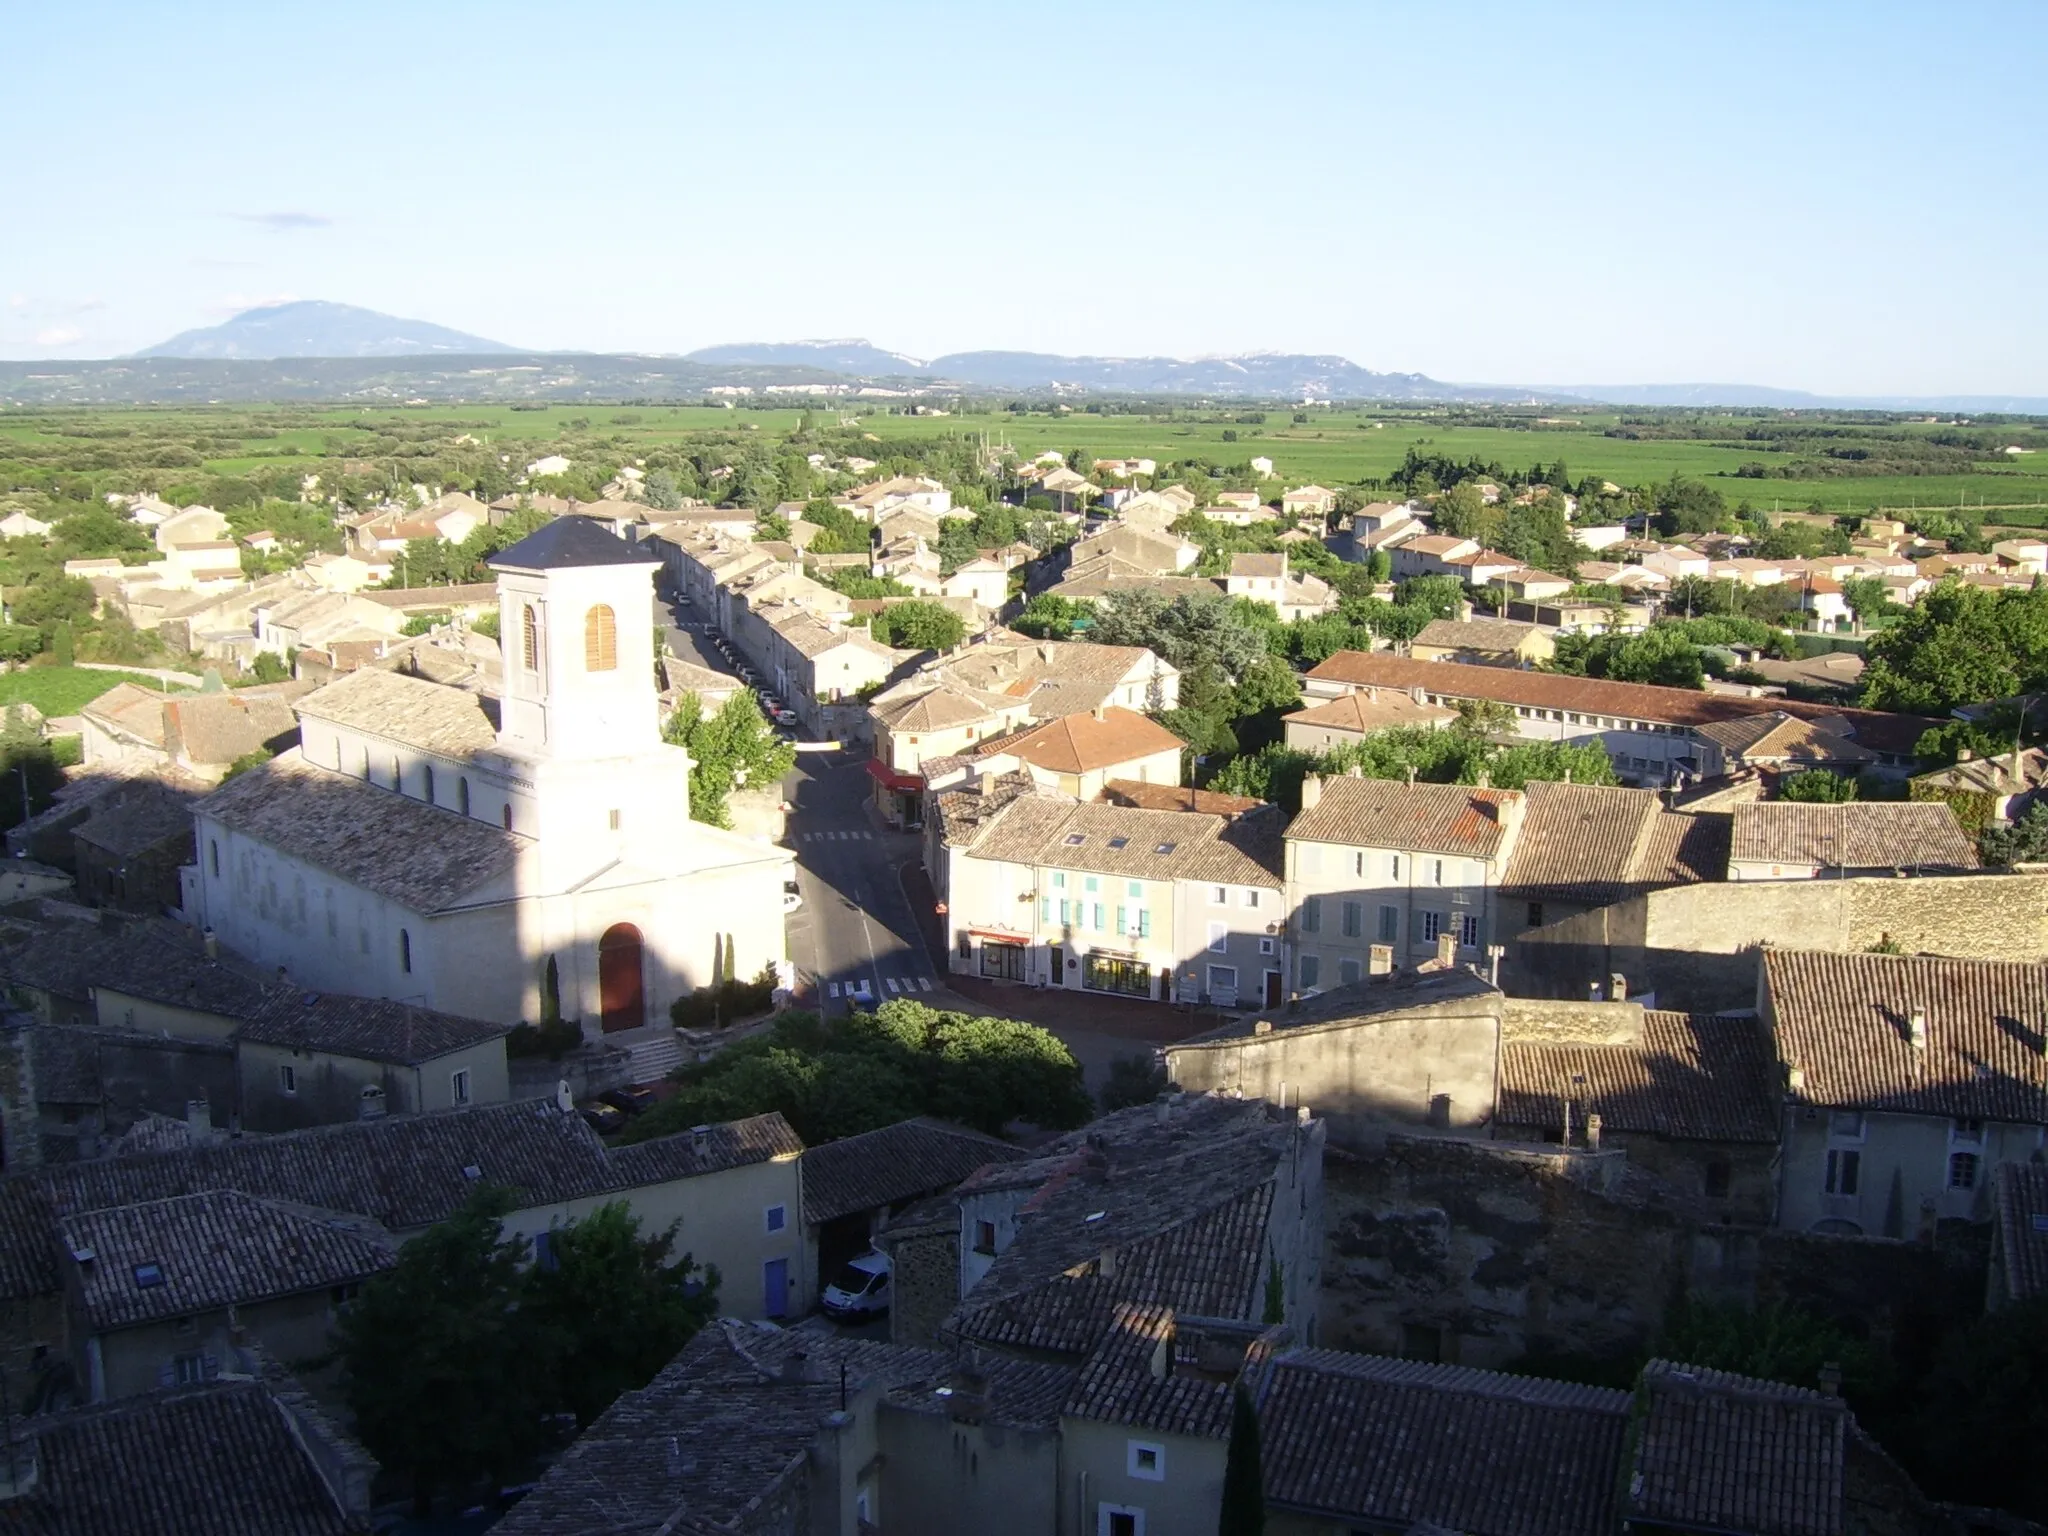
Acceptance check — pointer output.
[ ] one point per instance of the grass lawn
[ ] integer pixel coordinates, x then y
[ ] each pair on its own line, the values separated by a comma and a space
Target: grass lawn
64, 690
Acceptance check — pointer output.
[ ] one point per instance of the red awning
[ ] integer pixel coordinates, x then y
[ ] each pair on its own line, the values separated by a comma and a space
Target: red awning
994, 937
907, 783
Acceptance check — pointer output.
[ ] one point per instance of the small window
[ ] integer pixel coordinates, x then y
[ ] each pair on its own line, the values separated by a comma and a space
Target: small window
1219, 895
612, 818
1535, 914
1468, 931
1091, 883
1390, 924
1309, 969
529, 637
1716, 1180
1393, 866
1358, 865
1076, 839
1265, 946
190, 1370
1223, 981
462, 796
1962, 1170
1251, 898
1432, 925
287, 1078
427, 782
1969, 1132
1135, 889
508, 816
775, 1218
1311, 914
405, 951
214, 849
458, 1086
600, 640
1146, 1460
1165, 848
1354, 919
1845, 1125
1436, 873
1845, 1171
1219, 938
1347, 971
148, 1276
985, 1237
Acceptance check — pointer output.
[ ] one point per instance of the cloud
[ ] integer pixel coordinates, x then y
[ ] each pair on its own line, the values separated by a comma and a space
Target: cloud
59, 336
286, 219
17, 301
232, 304
87, 306
216, 261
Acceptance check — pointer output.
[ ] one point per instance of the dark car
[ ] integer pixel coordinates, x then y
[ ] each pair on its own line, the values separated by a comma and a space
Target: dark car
629, 1101
601, 1117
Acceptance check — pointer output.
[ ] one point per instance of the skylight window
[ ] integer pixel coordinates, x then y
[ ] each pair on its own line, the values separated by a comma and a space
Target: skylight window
1166, 848
1119, 842
147, 1275
1076, 839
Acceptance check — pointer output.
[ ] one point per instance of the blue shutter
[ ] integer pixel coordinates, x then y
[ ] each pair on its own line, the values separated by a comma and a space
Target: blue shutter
1122, 926
1144, 924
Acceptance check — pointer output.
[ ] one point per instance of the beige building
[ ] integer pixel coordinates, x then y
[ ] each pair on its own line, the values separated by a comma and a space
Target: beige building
421, 847
1484, 642
1349, 719
1074, 755
1294, 595
131, 729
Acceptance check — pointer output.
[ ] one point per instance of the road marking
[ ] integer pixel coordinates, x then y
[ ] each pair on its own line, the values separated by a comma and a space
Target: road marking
925, 983
892, 985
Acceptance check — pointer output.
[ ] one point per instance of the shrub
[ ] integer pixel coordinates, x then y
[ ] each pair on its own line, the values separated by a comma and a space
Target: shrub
553, 1041
721, 1004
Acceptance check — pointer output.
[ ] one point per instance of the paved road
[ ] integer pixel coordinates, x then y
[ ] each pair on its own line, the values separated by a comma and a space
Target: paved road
854, 928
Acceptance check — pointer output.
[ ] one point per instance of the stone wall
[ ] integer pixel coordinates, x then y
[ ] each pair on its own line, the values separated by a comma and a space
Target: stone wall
924, 1280
1695, 946
1544, 1021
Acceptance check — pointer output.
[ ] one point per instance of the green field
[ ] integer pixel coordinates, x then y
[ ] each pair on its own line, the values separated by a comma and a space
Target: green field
1334, 447
64, 690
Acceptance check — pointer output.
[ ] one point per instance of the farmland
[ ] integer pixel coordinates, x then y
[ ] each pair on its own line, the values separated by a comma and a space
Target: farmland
147, 448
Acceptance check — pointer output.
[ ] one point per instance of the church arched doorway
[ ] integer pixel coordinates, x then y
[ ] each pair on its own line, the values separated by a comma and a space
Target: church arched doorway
620, 978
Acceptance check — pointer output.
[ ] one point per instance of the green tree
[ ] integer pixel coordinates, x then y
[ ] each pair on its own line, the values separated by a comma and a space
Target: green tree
63, 645
1049, 616
1817, 786
1960, 645
1137, 1079
256, 757
1485, 717
1780, 1342
728, 750
1984, 1413
918, 626
550, 993
1185, 631
660, 490
437, 1357
269, 667
27, 761
610, 1307
61, 600
1243, 1507
2024, 842
1867, 597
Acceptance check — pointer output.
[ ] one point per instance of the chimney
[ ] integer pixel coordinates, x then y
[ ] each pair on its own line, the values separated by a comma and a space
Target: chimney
1617, 988
1567, 774
565, 1101
1354, 772
1965, 755
1593, 1133
1446, 950
1311, 791
199, 1120
796, 1366
1411, 773
1916, 1029
370, 1103
1485, 780
1830, 1379
1105, 1264
1262, 1026
1382, 961
20, 1467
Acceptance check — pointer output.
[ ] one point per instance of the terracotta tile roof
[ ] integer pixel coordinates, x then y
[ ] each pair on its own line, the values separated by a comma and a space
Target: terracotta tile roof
1371, 709
1175, 797
215, 1460
1597, 844
1417, 818
1502, 635
199, 1253
421, 856
143, 817
1048, 829
1872, 834
1258, 565
1084, 743
896, 1163
2021, 1203
1894, 734
1359, 1439
1130, 1379
937, 709
449, 722
1729, 1453
1844, 1027
369, 1028
130, 709
1693, 1077
1780, 737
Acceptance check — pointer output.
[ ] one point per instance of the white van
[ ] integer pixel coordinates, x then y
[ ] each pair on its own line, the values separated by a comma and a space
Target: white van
860, 1290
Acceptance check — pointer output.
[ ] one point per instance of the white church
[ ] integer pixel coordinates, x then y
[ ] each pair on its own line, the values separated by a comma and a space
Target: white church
422, 846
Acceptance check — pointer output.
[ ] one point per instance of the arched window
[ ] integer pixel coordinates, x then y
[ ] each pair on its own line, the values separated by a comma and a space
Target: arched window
405, 951
600, 640
427, 782
462, 796
529, 627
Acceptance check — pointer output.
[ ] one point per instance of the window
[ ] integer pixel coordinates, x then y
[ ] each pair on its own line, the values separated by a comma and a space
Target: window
1311, 914
1091, 883
1143, 1459
1535, 914
600, 640
1223, 982
1347, 971
1962, 1170
775, 1218
427, 782
1119, 1520
1308, 970
214, 849
405, 951
1219, 895
287, 1078
458, 1086
1967, 1132
1390, 924
612, 819
1716, 1179
985, 1237
1432, 925
1358, 865
1135, 889
1219, 938
1066, 913
1354, 919
508, 816
1468, 931
1251, 899
529, 637
1393, 866
1098, 917
148, 1276
190, 1370
462, 796
1265, 946
1844, 1169
1845, 1125
1436, 871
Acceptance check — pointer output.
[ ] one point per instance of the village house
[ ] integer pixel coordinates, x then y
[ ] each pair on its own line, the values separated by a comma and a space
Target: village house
1308, 501
871, 503
1431, 555
1795, 840
1074, 755
1911, 1080
427, 845
132, 729
1483, 642
920, 722
1040, 888
1294, 595
1528, 584
1350, 718
1585, 846
128, 851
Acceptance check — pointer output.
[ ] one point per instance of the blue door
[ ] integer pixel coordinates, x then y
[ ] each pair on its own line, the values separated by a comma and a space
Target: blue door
775, 1287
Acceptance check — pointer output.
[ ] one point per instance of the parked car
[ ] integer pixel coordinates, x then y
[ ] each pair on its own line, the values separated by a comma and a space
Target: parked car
601, 1117
792, 898
629, 1101
860, 1290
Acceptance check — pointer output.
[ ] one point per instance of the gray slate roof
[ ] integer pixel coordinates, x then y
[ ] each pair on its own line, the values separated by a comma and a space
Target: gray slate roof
1053, 830
146, 958
898, 1162
200, 1253
1859, 835
566, 542
2022, 1207
217, 1460
368, 1028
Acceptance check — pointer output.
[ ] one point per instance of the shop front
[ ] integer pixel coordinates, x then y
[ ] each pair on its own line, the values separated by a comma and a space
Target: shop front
898, 796
1110, 971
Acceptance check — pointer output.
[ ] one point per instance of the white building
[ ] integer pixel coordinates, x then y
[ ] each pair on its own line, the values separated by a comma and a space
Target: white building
415, 847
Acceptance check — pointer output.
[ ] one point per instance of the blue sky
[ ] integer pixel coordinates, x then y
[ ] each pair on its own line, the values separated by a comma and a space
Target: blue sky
1839, 197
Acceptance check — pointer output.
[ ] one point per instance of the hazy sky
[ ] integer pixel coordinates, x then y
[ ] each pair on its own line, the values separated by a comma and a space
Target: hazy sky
1842, 197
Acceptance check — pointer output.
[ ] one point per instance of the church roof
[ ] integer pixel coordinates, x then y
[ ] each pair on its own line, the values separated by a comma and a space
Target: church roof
568, 542
449, 722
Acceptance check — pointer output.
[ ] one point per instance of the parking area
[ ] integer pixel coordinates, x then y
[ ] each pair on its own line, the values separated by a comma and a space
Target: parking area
694, 638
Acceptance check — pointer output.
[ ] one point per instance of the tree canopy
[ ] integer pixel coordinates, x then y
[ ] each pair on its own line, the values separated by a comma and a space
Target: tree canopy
731, 749
1960, 645
918, 626
1456, 755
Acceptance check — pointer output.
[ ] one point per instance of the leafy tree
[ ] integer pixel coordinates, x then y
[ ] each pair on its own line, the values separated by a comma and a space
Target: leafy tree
1985, 1412
1184, 631
1049, 616
65, 599
63, 646
1689, 506
1661, 655
256, 757
1485, 717
27, 761
1135, 1079
1436, 757
610, 1307
1780, 1342
437, 1356
1960, 645
18, 642
1817, 786
956, 545
1692, 595
1243, 1508
2024, 842
1867, 597
1462, 513
660, 490
728, 750
918, 626
269, 667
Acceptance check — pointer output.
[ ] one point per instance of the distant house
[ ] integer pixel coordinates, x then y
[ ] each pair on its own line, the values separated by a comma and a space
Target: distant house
1430, 555
1308, 501
1484, 642
1793, 840
1075, 754
549, 464
1263, 468
19, 525
1347, 720
1266, 579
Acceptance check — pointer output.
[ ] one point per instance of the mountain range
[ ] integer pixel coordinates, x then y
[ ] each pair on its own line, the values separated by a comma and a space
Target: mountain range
309, 349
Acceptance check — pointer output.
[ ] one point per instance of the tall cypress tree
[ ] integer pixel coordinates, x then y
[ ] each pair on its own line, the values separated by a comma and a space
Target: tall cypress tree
1244, 1483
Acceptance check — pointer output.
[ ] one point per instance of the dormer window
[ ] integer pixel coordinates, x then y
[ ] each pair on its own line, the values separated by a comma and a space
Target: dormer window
600, 640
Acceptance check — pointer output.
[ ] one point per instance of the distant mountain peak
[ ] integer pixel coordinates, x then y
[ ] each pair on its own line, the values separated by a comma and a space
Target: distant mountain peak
317, 328
854, 355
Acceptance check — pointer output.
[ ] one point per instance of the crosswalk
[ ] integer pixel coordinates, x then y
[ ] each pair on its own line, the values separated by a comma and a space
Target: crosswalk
836, 837
863, 991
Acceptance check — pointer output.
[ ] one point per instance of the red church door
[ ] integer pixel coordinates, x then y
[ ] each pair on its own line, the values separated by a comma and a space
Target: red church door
620, 982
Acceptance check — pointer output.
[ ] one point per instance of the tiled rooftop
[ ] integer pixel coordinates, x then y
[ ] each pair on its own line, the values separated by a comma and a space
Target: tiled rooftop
1597, 844
1692, 1077
2022, 1213
1844, 1027
1417, 818
370, 1028
1859, 835
898, 1162
448, 722
1049, 829
1475, 634
1084, 743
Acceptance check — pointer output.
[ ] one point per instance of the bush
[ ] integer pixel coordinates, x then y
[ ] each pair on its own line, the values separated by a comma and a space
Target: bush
721, 1004
553, 1041
1135, 1079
